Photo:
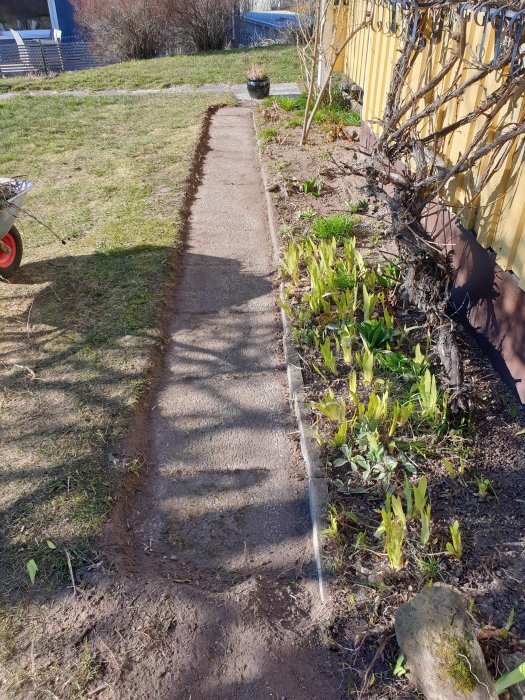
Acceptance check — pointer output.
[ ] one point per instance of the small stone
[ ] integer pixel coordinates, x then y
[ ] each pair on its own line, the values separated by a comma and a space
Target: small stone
442, 653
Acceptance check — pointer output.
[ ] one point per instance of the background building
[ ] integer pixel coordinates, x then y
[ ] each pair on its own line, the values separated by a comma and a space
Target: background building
36, 19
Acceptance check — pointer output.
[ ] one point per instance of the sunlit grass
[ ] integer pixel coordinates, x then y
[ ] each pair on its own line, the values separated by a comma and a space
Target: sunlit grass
281, 63
79, 322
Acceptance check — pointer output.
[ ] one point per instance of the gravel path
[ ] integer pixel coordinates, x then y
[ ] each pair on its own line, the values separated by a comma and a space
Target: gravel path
238, 91
225, 506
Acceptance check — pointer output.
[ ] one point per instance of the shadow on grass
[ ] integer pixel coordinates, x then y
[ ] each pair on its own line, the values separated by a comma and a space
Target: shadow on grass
82, 360
68, 384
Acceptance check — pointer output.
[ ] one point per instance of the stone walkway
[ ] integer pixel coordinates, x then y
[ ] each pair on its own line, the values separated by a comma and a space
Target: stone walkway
225, 507
239, 91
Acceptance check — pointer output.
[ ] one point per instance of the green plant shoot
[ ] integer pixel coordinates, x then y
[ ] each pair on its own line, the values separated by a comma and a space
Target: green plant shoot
311, 186
509, 679
366, 362
399, 668
339, 438
407, 490
455, 547
420, 496
393, 525
328, 356
425, 526
291, 260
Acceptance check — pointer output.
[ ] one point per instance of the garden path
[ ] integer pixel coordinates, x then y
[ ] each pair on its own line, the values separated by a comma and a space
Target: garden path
223, 518
238, 91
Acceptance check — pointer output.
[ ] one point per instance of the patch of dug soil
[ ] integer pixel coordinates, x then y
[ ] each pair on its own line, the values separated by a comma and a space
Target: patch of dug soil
151, 638
492, 568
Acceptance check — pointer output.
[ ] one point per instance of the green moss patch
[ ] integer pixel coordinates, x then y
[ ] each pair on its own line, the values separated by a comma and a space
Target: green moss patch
454, 653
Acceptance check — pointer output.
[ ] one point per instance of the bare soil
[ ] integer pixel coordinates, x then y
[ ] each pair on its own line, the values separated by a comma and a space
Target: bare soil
492, 568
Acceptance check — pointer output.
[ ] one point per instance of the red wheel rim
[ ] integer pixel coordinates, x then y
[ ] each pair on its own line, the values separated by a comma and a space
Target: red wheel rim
7, 259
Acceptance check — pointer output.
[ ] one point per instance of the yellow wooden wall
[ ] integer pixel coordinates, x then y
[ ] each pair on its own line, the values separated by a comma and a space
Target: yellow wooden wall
356, 54
498, 215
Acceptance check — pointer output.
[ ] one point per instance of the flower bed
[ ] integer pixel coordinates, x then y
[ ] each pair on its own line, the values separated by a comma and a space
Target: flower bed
422, 490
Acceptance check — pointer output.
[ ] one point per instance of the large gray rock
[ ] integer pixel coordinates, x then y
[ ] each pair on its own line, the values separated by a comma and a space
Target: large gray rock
441, 651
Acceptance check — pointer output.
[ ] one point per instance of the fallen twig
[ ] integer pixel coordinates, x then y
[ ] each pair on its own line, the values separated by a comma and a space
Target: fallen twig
97, 690
71, 571
380, 649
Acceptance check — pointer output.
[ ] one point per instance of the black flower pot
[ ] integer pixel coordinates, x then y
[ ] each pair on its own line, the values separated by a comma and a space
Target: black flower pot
258, 89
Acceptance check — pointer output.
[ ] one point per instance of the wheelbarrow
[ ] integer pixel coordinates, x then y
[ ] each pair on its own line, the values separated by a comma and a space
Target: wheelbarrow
10, 239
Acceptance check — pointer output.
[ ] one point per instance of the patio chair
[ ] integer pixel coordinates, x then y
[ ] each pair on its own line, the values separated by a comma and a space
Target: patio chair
52, 51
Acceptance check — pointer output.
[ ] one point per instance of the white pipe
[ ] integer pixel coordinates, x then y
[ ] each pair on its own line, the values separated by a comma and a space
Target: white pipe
320, 60
53, 14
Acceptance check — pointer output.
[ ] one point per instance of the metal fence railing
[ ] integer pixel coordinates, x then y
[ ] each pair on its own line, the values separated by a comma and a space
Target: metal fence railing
44, 56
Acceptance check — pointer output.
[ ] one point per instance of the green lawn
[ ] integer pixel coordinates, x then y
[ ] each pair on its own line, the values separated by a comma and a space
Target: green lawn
281, 62
79, 322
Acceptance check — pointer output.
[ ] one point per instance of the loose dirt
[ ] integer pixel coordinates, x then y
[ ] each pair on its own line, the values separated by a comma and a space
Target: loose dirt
205, 587
491, 571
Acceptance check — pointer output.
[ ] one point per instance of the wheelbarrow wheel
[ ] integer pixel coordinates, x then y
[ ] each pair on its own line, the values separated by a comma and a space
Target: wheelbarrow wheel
10, 262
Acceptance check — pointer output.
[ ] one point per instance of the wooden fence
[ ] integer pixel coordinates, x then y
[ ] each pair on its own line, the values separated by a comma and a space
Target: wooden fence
498, 215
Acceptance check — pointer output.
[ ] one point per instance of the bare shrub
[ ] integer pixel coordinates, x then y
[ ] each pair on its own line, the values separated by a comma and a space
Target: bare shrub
206, 24
479, 86
126, 29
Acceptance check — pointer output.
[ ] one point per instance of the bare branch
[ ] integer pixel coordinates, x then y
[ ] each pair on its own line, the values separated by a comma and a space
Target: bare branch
308, 119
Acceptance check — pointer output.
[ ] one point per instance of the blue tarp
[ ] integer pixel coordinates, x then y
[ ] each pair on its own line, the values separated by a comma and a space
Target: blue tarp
66, 20
275, 19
